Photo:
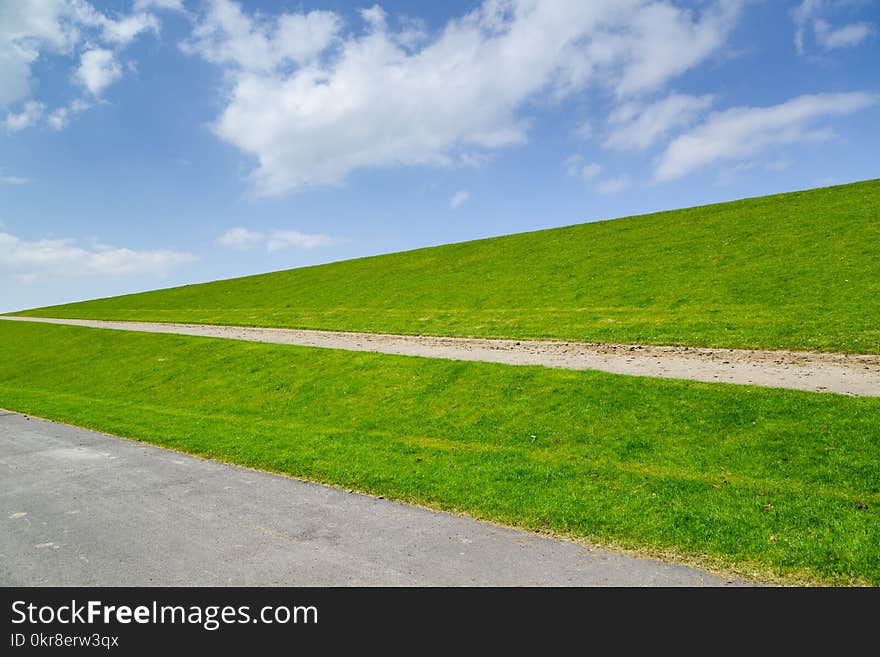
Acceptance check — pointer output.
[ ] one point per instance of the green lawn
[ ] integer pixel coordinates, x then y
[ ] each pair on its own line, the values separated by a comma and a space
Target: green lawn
756, 481
798, 270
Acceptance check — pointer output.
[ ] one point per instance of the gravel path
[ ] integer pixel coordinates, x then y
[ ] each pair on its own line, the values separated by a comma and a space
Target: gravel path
819, 372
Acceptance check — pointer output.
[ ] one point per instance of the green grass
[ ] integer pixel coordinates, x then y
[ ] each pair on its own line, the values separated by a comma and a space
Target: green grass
799, 271
748, 480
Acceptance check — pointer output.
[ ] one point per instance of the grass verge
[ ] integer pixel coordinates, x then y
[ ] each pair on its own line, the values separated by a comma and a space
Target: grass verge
754, 481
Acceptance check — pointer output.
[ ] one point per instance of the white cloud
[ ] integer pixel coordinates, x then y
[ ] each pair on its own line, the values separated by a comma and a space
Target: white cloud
60, 117
314, 108
243, 239
802, 15
841, 37
26, 28
614, 185
14, 180
811, 16
56, 258
30, 29
228, 36
29, 115
637, 126
577, 168
459, 198
728, 174
285, 239
126, 29
584, 130
590, 171
98, 69
473, 159
669, 41
120, 31
742, 132
171, 5
240, 238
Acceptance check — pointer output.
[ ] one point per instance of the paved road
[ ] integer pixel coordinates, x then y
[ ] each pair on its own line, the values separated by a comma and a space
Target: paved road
848, 374
83, 508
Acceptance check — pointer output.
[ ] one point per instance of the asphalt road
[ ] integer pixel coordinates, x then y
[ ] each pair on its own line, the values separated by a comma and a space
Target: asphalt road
83, 508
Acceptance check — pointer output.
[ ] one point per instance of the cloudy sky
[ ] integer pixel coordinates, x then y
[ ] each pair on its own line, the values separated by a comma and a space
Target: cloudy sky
150, 143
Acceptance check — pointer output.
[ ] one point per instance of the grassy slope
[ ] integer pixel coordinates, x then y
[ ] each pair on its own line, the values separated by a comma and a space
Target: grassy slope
751, 479
798, 270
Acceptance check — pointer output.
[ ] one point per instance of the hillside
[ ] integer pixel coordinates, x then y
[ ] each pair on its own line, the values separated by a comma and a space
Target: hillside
762, 482
798, 270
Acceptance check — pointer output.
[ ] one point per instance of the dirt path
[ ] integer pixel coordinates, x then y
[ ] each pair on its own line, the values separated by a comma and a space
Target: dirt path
840, 373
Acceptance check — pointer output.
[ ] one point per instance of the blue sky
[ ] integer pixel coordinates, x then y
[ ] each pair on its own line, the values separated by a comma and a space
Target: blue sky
151, 143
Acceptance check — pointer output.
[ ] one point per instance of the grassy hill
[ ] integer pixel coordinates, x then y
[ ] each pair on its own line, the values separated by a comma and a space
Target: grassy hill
773, 484
798, 270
